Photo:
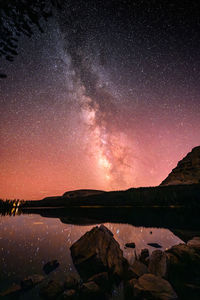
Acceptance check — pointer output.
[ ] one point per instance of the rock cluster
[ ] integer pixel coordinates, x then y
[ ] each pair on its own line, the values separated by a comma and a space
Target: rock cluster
100, 263
97, 251
171, 274
163, 275
153, 287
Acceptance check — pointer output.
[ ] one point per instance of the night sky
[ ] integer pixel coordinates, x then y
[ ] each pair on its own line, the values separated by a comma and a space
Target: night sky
108, 97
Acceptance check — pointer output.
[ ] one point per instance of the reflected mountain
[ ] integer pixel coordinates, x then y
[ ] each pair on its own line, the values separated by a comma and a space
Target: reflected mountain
184, 223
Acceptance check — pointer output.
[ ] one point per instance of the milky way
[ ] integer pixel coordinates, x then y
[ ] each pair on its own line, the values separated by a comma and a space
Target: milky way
105, 141
106, 98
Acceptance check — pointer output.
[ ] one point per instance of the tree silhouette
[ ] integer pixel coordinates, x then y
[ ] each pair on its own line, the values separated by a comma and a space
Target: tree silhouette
19, 17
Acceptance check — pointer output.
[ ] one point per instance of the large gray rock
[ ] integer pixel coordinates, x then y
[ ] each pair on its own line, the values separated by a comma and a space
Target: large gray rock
97, 251
151, 287
158, 263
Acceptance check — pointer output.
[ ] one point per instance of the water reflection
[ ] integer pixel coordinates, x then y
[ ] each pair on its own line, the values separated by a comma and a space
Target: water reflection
32, 237
27, 242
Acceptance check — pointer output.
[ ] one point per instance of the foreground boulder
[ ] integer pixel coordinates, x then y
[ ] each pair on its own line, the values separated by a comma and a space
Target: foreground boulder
184, 270
138, 269
150, 286
194, 243
183, 259
97, 251
144, 256
158, 263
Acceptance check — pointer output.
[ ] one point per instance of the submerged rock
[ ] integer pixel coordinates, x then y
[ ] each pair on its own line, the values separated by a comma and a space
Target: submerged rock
52, 290
31, 281
130, 245
150, 286
51, 266
158, 263
155, 245
97, 251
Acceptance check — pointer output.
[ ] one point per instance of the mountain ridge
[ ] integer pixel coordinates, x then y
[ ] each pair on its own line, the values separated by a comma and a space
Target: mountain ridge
187, 170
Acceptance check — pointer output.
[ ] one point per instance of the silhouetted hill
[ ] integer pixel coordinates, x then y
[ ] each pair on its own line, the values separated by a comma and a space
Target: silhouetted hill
160, 196
81, 193
187, 170
180, 189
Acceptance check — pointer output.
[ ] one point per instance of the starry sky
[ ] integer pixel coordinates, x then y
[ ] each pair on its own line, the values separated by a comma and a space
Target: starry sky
108, 97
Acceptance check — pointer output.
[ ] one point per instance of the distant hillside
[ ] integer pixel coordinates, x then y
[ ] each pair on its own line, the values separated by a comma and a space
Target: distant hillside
182, 184
81, 193
187, 171
164, 196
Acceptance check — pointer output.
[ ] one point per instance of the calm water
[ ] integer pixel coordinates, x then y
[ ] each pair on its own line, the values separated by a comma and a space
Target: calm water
27, 242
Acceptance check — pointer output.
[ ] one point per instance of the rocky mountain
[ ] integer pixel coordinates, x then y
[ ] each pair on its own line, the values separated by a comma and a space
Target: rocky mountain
187, 171
183, 183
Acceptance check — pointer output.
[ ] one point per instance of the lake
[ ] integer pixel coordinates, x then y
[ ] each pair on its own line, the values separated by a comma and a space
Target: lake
28, 241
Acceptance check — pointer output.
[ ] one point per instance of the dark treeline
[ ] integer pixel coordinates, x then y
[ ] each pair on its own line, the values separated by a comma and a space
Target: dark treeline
22, 18
161, 196
6, 206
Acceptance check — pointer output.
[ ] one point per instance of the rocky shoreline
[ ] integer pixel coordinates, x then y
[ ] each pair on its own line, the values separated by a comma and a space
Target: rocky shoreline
101, 267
